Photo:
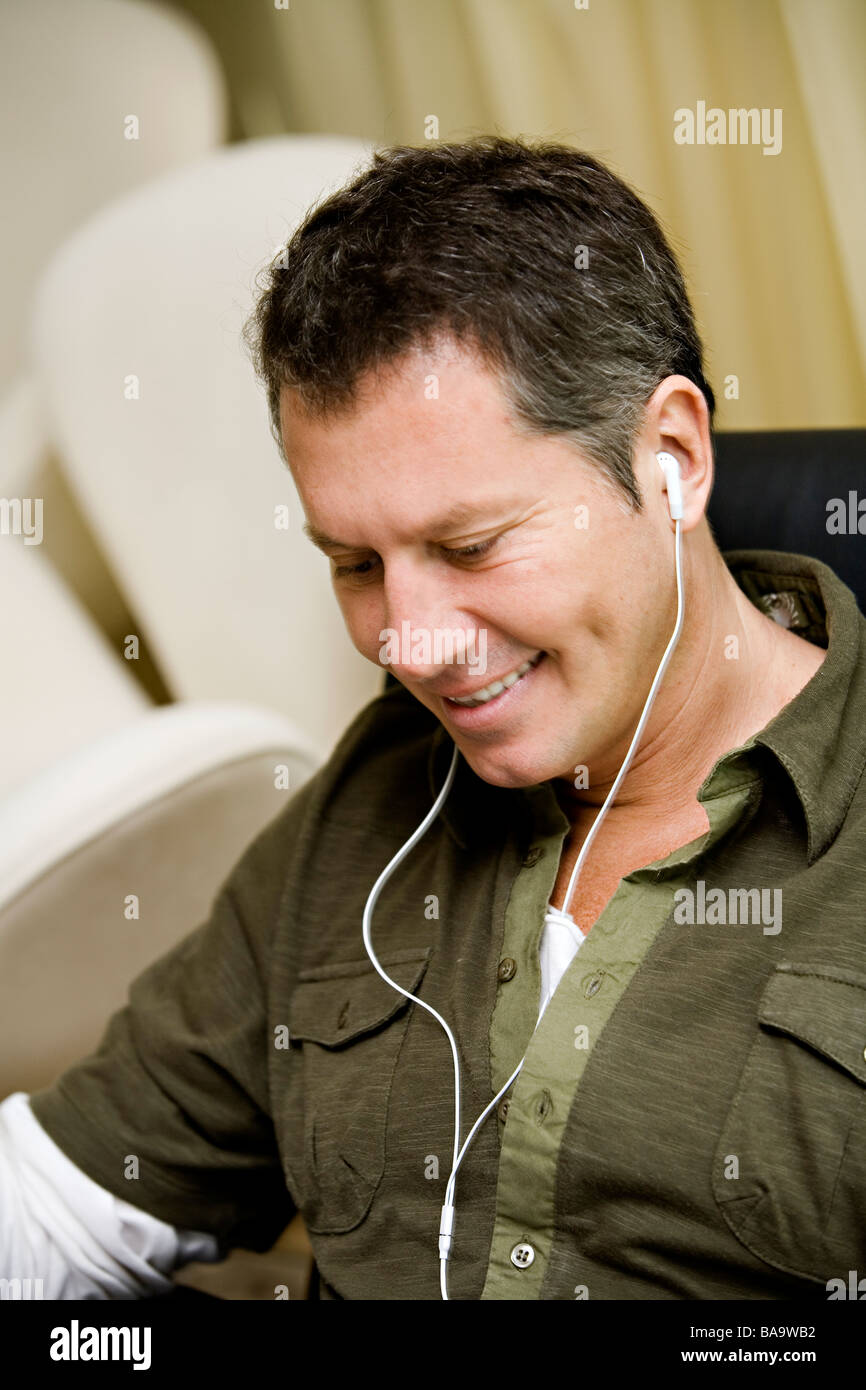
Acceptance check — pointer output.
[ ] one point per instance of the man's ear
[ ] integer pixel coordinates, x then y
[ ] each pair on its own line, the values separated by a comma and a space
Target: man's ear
677, 422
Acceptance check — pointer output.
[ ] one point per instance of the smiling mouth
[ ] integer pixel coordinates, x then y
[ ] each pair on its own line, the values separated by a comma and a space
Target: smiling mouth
490, 692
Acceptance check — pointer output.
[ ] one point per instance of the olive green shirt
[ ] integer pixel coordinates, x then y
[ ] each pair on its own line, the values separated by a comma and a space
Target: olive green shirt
690, 1120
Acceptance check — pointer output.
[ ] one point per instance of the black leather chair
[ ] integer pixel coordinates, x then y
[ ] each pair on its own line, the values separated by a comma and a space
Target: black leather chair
775, 490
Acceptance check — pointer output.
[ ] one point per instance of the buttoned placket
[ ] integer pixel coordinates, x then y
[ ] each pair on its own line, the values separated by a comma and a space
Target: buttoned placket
533, 1116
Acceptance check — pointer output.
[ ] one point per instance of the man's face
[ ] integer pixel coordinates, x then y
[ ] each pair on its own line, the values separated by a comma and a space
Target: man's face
563, 575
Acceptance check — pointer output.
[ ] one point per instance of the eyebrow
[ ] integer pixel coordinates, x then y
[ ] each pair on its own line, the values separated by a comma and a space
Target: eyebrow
457, 516
320, 540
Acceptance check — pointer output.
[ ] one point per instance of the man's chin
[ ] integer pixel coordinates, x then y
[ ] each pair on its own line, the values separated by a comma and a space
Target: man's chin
504, 770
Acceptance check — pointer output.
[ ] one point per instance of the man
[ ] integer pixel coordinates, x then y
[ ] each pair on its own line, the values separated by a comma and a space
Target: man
486, 380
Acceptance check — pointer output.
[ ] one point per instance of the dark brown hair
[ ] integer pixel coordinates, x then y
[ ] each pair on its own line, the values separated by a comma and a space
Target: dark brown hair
481, 241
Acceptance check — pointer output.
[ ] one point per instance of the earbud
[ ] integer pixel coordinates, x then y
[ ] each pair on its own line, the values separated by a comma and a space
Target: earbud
671, 469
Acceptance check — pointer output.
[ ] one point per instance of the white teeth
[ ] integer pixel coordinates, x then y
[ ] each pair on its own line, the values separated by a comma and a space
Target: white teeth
491, 691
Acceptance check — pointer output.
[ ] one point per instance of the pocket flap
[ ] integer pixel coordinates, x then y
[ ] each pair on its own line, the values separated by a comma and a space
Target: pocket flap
336, 1003
822, 1006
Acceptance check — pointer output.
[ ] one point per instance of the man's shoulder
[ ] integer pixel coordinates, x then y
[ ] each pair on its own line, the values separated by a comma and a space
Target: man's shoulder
390, 738
379, 763
301, 885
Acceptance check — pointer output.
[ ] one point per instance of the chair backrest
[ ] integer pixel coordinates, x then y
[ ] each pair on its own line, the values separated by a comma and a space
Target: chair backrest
71, 79
62, 685
801, 491
162, 430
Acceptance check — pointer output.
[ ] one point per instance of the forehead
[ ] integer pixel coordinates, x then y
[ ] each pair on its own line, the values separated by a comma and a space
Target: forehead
426, 394
434, 425
430, 444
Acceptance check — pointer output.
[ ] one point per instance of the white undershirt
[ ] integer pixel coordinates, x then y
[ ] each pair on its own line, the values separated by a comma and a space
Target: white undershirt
59, 1226
561, 940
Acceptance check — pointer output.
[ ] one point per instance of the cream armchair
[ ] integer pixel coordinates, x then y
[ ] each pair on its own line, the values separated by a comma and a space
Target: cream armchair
113, 847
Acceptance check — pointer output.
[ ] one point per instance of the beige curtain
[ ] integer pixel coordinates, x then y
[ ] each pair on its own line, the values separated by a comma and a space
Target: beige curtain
771, 243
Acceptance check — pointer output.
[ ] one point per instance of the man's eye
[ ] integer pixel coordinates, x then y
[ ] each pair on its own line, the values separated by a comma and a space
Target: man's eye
471, 552
365, 567
354, 571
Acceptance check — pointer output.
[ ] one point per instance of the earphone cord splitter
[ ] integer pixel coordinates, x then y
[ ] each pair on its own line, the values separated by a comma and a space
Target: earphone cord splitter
446, 1223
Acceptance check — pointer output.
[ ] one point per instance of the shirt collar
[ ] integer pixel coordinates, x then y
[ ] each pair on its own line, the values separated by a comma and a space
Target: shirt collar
817, 738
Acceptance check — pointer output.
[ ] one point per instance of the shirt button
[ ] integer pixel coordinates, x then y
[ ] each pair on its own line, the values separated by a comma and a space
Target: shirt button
522, 1255
502, 1109
507, 968
533, 856
592, 986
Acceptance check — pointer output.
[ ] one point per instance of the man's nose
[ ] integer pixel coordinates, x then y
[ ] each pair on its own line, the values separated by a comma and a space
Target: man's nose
419, 610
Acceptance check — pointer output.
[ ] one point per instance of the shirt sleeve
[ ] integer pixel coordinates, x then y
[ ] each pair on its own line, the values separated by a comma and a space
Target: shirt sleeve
60, 1228
171, 1113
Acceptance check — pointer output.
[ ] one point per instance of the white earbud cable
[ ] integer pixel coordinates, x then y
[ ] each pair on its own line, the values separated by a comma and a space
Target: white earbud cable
446, 1224
636, 737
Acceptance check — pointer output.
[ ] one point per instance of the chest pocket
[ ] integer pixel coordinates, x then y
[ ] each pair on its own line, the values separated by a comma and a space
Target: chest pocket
796, 1195
350, 1026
